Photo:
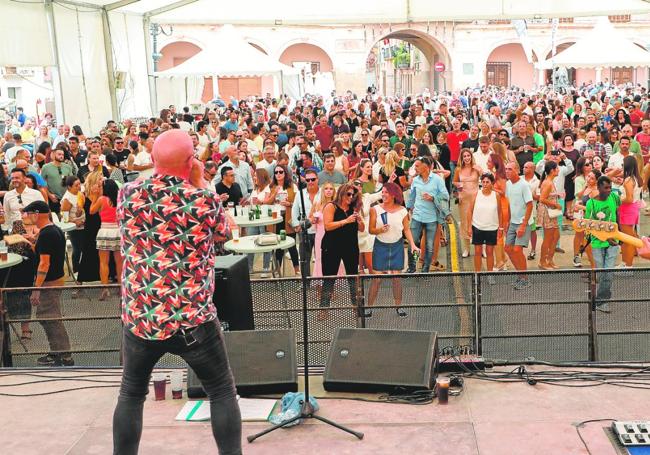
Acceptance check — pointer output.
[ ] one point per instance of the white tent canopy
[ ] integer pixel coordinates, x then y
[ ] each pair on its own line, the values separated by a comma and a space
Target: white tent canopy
228, 55
602, 47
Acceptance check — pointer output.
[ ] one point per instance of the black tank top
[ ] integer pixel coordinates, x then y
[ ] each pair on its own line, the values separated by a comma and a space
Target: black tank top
346, 236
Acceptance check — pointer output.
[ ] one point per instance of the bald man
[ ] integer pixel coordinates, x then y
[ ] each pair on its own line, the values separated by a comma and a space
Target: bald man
172, 277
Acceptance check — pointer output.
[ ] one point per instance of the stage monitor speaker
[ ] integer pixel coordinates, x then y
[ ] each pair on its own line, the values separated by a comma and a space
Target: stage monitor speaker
262, 361
232, 293
372, 360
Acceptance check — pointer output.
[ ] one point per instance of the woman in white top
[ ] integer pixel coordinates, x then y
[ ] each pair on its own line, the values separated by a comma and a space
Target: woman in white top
341, 160
388, 222
72, 203
485, 221
260, 194
365, 239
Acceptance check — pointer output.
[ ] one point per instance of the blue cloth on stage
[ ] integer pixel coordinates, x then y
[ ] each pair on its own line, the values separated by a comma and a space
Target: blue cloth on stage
290, 408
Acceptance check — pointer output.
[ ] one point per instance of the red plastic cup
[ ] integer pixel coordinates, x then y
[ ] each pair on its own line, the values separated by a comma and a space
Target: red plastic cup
159, 385
443, 391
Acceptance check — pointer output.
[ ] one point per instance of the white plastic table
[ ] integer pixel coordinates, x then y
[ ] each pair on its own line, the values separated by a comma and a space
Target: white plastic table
244, 222
247, 245
12, 259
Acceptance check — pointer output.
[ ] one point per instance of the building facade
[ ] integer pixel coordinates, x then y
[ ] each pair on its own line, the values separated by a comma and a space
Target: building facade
466, 53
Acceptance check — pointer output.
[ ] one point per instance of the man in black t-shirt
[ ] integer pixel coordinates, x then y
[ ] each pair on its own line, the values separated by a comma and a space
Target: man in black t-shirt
227, 189
50, 251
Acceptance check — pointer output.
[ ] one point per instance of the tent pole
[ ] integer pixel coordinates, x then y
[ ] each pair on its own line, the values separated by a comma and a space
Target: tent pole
281, 83
56, 74
110, 64
153, 93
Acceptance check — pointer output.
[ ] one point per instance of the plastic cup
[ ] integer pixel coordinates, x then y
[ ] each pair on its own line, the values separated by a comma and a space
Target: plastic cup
65, 216
235, 235
176, 380
443, 390
159, 384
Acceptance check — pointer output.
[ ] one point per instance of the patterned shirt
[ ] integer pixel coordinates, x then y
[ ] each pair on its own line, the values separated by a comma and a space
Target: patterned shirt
598, 148
168, 230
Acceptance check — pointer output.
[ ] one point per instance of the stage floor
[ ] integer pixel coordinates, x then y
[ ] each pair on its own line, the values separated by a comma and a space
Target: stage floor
489, 418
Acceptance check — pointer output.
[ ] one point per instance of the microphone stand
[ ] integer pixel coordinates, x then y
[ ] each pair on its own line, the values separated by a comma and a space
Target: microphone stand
306, 411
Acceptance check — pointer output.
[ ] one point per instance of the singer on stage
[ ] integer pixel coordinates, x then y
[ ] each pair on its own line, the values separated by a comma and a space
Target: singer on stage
169, 224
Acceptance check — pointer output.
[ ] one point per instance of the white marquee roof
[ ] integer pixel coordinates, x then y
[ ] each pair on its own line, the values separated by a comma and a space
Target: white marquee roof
211, 61
602, 46
361, 11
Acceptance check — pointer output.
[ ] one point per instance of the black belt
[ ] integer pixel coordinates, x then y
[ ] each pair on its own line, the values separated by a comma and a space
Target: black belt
196, 334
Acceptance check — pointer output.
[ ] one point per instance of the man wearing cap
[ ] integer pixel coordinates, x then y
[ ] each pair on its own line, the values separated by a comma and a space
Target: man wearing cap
169, 224
50, 251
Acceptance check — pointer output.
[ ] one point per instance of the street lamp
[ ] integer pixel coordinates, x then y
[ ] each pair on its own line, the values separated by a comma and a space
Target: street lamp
155, 30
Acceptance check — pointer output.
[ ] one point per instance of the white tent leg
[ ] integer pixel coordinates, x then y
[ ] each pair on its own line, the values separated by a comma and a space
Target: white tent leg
110, 64
153, 93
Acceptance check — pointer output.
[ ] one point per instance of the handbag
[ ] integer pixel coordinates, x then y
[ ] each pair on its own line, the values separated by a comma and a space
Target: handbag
554, 213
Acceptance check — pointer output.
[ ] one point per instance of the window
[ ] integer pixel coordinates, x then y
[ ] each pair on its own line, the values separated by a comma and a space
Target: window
497, 73
619, 18
622, 75
12, 92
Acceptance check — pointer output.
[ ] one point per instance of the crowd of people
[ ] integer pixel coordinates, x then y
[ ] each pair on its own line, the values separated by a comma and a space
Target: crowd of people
380, 176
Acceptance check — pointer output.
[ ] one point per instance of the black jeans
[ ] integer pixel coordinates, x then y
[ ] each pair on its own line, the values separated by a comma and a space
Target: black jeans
207, 358
330, 262
77, 238
311, 239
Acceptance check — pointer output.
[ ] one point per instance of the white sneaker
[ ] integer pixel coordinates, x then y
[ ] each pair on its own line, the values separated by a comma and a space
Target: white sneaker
465, 254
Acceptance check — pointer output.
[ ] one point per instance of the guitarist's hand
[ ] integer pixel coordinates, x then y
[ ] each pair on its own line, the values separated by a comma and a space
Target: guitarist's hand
612, 242
644, 252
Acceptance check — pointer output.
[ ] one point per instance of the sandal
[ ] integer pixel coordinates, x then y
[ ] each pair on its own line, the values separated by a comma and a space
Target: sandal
26, 335
438, 267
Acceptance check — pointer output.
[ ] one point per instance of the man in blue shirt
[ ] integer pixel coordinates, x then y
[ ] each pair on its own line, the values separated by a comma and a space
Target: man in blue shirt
233, 123
428, 203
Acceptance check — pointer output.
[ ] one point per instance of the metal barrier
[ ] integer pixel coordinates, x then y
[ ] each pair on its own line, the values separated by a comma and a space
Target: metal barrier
549, 320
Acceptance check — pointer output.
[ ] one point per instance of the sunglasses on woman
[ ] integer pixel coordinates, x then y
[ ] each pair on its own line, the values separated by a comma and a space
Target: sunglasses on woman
279, 172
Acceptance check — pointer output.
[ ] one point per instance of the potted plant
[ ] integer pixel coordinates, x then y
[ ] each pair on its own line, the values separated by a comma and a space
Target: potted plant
402, 57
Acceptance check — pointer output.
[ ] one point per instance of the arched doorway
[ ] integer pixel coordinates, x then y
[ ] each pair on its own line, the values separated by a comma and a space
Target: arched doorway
173, 54
507, 65
307, 53
315, 67
402, 62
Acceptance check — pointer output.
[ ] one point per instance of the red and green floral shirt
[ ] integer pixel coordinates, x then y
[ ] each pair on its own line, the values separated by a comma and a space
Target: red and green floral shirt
168, 230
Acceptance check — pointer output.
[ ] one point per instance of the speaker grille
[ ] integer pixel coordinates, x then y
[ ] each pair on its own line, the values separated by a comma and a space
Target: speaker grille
373, 359
262, 357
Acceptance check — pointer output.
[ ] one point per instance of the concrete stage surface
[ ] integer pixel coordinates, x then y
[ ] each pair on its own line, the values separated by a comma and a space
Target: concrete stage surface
489, 418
